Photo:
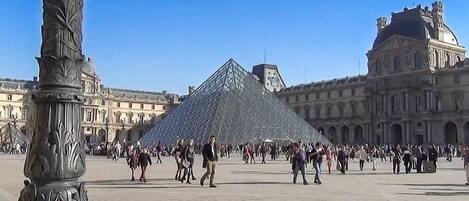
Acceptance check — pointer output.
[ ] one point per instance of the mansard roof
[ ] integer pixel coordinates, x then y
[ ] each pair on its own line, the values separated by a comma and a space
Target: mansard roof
415, 23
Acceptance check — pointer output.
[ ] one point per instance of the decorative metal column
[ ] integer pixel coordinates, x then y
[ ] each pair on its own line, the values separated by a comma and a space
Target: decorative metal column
56, 156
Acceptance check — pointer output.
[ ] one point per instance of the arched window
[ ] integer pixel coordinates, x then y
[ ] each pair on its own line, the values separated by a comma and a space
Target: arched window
103, 116
437, 60
8, 113
418, 60
24, 113
378, 67
447, 61
397, 64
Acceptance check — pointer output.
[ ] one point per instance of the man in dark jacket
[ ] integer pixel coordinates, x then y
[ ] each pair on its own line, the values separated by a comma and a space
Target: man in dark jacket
210, 154
143, 160
433, 155
299, 160
341, 158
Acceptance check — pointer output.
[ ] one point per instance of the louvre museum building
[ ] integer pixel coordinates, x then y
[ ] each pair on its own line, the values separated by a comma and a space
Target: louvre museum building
416, 89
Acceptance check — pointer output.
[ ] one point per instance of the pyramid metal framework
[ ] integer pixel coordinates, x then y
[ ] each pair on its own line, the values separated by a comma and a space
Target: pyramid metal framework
233, 106
9, 134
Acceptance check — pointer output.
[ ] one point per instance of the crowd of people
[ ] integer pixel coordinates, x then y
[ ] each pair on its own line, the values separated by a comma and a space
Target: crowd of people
415, 158
13, 148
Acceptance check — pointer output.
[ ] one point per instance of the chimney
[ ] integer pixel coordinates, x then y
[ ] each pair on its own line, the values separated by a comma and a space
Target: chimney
191, 90
437, 16
90, 59
381, 23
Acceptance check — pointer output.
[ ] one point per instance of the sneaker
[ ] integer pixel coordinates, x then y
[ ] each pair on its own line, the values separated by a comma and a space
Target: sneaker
213, 186
201, 182
467, 184
305, 183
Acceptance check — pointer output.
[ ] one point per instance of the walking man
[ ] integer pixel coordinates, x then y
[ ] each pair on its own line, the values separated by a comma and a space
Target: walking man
316, 157
263, 152
299, 160
210, 154
144, 160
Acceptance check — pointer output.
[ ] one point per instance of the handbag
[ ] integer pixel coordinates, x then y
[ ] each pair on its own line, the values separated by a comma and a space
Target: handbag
185, 163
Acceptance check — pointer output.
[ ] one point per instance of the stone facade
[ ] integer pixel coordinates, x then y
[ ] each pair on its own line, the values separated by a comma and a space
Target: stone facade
108, 114
415, 91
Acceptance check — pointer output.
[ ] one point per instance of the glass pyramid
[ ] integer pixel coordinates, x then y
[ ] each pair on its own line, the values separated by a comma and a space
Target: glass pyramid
233, 106
9, 134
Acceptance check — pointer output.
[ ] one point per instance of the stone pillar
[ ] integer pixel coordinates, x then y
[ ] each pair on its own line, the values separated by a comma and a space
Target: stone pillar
56, 155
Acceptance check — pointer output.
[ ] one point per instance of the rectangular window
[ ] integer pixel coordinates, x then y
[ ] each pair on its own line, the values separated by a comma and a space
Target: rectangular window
164, 107
328, 94
118, 104
297, 98
340, 93
141, 106
318, 95
318, 113
404, 103
9, 97
141, 118
353, 91
130, 105
89, 116
153, 106
417, 104
307, 97
103, 102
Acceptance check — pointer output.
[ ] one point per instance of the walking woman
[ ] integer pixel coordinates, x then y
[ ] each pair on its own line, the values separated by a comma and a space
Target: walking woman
188, 162
177, 156
328, 158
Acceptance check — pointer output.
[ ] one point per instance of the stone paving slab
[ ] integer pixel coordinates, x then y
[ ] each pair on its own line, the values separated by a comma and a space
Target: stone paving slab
109, 181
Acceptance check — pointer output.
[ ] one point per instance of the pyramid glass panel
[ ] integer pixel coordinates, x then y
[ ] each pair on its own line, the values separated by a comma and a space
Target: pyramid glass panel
233, 106
9, 134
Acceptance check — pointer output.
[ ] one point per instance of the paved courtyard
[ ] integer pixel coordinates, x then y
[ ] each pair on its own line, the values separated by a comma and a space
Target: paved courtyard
109, 181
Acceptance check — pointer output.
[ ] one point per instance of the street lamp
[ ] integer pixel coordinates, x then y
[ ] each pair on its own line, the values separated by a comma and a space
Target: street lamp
56, 156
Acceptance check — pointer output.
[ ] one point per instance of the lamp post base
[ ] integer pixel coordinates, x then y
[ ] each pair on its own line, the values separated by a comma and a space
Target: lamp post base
59, 191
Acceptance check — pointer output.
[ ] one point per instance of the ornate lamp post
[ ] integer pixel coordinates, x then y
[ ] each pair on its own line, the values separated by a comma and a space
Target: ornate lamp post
56, 156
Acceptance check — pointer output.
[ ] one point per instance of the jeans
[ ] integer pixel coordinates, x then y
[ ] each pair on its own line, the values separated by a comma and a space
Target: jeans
362, 163
396, 166
299, 166
408, 166
419, 165
317, 168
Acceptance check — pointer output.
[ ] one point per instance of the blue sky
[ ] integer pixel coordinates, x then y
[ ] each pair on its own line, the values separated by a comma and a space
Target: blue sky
168, 45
